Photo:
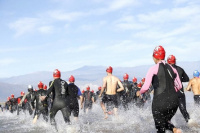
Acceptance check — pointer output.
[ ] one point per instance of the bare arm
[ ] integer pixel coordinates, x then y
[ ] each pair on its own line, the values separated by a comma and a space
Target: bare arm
189, 86
121, 87
103, 87
23, 98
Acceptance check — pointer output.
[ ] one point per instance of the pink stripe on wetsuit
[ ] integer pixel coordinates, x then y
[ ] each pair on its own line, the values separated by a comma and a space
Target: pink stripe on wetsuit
153, 71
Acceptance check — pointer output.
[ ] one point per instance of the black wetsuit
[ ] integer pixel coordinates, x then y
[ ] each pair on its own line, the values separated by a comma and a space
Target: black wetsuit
87, 95
41, 106
126, 94
139, 102
181, 95
59, 89
22, 106
1, 108
7, 104
30, 104
13, 104
165, 100
134, 90
72, 98
197, 99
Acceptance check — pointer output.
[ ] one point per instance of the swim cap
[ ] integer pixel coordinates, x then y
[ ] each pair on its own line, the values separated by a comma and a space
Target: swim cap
139, 85
88, 88
83, 91
92, 91
8, 98
134, 79
159, 53
71, 78
40, 85
171, 59
56, 73
143, 80
126, 76
99, 88
45, 87
109, 69
12, 95
22, 93
196, 73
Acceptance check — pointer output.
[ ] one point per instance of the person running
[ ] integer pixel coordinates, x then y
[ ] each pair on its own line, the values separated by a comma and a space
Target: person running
29, 97
59, 88
41, 106
88, 99
166, 83
74, 94
134, 90
181, 95
22, 105
139, 100
194, 85
110, 83
98, 93
126, 96
13, 103
7, 103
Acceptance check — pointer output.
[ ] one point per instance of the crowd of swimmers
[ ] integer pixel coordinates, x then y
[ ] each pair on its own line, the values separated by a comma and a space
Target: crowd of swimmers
163, 81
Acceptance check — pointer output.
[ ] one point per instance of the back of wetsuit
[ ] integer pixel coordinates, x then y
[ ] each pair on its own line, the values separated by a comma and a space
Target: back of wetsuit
72, 92
40, 105
88, 96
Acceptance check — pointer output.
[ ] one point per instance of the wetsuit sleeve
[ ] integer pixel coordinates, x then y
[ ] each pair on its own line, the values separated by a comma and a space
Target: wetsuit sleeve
51, 87
177, 81
24, 97
184, 77
152, 71
79, 92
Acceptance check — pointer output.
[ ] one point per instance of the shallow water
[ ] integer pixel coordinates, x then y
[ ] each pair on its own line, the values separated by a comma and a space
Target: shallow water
134, 120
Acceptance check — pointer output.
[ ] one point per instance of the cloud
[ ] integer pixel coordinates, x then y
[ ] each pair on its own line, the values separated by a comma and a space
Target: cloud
24, 25
46, 29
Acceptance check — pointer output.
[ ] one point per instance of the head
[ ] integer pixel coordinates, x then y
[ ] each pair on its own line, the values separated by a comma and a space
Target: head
196, 74
71, 79
92, 91
45, 87
83, 91
126, 76
12, 95
134, 80
171, 59
158, 54
56, 74
139, 85
88, 88
22, 93
8, 98
109, 70
35, 90
143, 80
30, 88
99, 88
40, 85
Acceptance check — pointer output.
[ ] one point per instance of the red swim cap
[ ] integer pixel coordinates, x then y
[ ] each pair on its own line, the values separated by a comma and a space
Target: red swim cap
56, 73
8, 98
99, 88
134, 79
22, 93
45, 87
40, 85
71, 78
139, 85
171, 59
12, 95
109, 69
159, 53
143, 80
88, 88
126, 76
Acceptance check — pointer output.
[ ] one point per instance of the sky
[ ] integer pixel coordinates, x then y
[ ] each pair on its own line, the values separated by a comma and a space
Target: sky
43, 35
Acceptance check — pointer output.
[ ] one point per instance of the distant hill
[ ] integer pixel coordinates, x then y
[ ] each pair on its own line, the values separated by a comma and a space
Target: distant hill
87, 75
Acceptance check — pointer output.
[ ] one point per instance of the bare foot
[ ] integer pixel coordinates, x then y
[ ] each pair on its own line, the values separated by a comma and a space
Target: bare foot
176, 130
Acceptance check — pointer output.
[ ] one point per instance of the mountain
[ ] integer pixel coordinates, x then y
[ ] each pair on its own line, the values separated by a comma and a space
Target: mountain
87, 75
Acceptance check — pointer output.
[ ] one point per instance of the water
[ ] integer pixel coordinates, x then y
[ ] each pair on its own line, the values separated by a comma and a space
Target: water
134, 120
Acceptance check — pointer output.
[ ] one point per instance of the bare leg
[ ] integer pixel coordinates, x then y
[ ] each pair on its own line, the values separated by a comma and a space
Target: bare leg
104, 110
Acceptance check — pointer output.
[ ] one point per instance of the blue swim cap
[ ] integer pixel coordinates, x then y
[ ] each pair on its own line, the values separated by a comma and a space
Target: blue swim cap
196, 73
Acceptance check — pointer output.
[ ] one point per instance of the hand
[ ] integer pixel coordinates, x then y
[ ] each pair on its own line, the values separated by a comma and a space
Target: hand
99, 95
42, 98
138, 93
